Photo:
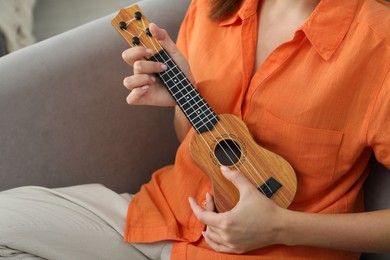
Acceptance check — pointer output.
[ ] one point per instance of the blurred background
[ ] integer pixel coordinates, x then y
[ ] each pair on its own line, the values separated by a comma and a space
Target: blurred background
23, 22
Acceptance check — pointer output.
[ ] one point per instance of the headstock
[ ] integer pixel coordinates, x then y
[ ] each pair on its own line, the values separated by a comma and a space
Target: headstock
133, 25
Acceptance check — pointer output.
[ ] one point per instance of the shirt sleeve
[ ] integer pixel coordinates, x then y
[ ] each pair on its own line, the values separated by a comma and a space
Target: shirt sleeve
378, 135
184, 36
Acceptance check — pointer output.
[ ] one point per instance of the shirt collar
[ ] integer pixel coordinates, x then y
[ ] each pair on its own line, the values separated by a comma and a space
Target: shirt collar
328, 25
246, 9
325, 28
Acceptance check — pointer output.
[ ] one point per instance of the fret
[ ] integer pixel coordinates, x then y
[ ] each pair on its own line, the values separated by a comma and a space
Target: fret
174, 83
205, 118
200, 110
204, 121
195, 106
197, 111
189, 97
208, 117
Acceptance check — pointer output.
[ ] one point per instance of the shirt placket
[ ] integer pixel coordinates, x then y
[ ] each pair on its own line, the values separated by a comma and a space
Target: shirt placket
271, 64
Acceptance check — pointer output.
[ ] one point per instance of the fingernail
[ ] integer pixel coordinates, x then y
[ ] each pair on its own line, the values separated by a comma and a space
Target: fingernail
224, 168
209, 197
163, 66
149, 51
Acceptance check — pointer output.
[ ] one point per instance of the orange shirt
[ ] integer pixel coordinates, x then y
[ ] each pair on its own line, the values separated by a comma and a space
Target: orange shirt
321, 101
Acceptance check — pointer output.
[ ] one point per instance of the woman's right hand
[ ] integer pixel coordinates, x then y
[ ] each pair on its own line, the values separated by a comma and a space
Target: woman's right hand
145, 87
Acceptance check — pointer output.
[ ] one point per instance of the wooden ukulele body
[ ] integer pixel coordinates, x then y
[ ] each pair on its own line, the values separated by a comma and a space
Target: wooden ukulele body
231, 136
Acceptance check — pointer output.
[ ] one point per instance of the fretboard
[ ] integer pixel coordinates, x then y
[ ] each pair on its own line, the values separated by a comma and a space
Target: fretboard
197, 111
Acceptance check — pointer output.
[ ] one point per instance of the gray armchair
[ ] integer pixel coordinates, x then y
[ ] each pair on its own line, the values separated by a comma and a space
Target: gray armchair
64, 119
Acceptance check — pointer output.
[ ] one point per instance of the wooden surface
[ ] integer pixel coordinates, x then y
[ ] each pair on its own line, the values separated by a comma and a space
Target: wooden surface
256, 163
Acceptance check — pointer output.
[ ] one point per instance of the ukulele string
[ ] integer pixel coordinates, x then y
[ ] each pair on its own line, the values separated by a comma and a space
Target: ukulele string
132, 35
156, 49
224, 151
129, 21
250, 164
209, 120
228, 145
180, 90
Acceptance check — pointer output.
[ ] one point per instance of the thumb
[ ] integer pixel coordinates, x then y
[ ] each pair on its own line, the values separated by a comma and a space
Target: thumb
238, 180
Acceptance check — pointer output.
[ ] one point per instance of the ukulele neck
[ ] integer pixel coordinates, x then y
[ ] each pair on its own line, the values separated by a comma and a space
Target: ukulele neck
197, 111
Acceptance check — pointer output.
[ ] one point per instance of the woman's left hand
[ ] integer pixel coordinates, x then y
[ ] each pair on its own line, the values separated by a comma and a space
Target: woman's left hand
254, 222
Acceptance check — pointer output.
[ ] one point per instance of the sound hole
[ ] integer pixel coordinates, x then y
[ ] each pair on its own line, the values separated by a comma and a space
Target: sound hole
227, 152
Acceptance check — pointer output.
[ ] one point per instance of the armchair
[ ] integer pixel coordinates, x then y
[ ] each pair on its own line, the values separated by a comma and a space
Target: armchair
63, 112
64, 119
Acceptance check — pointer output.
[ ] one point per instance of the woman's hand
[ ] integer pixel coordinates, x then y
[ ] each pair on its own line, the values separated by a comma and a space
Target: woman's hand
253, 223
256, 222
146, 88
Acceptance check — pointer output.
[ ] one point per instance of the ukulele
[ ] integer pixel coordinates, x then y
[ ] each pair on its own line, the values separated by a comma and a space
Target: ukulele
219, 140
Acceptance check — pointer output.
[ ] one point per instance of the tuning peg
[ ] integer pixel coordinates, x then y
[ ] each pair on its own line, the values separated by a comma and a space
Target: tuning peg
123, 25
137, 15
148, 33
135, 40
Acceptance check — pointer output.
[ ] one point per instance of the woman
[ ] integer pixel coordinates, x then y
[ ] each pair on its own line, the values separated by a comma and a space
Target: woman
310, 81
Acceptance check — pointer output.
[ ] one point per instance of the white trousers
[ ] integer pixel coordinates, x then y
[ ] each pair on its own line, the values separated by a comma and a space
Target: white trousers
78, 222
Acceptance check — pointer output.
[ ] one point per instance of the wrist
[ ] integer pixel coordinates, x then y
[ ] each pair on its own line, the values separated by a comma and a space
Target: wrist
284, 228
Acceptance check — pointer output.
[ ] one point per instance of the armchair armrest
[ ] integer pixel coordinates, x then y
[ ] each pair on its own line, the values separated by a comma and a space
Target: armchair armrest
64, 119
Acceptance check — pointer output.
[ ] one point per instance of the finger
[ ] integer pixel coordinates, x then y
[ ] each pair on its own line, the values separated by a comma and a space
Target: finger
217, 246
139, 80
148, 67
137, 53
213, 234
209, 202
169, 45
239, 180
136, 95
163, 38
206, 217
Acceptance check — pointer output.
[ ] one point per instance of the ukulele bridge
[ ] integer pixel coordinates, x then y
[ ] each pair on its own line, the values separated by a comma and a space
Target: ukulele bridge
270, 187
